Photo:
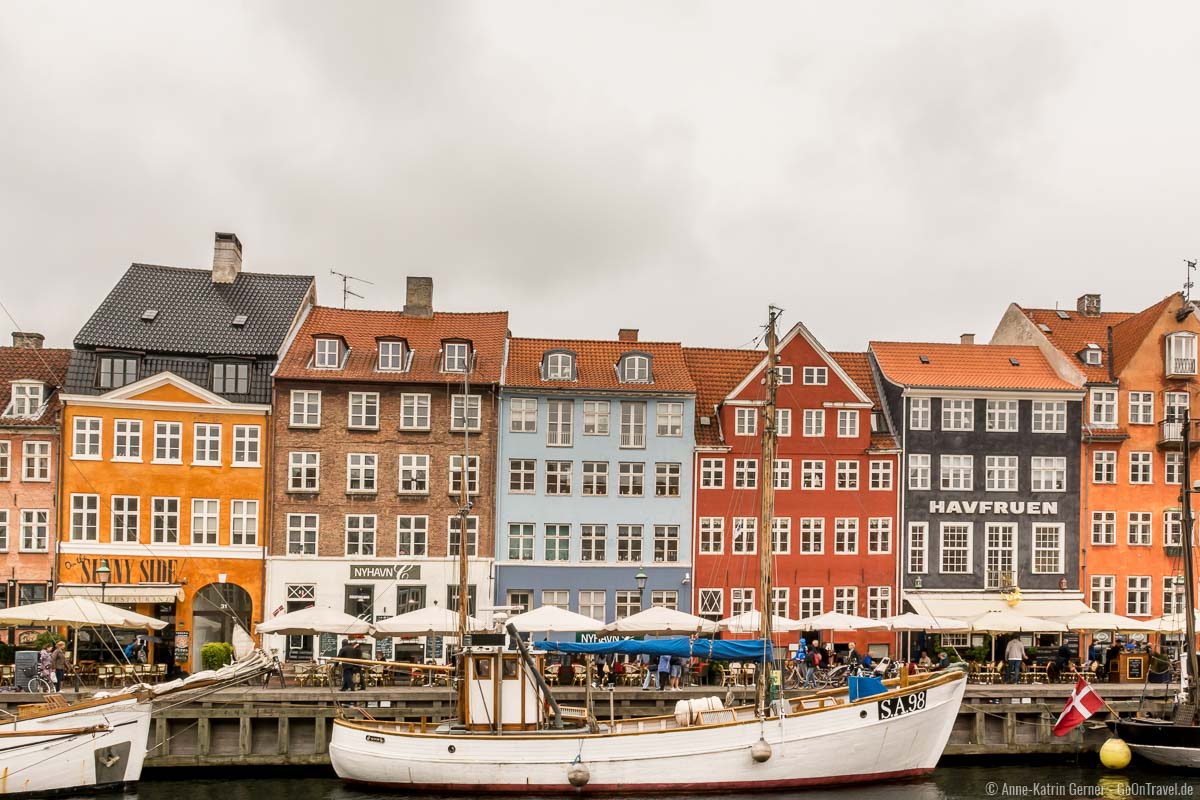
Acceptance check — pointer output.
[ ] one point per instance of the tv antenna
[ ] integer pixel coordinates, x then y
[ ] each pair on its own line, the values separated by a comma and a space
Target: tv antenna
346, 292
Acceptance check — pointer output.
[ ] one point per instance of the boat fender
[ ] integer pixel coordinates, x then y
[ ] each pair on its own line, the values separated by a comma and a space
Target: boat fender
578, 774
1115, 754
760, 751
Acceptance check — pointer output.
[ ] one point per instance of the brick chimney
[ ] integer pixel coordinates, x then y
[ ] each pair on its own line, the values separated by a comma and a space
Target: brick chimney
966, 338
627, 335
1088, 305
27, 340
419, 299
227, 258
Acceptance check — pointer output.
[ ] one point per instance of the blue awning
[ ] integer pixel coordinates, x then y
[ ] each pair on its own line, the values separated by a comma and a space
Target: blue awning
682, 646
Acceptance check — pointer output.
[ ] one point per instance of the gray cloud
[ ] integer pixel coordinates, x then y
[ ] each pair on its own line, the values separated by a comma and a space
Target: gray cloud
881, 171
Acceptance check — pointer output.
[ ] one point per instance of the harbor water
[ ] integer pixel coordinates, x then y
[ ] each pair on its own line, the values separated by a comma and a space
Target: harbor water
1003, 780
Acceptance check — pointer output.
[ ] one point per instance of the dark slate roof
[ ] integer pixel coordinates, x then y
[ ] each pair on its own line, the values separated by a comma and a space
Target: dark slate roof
81, 374
194, 314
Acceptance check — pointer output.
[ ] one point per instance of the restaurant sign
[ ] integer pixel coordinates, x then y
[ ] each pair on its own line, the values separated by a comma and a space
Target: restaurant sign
388, 572
130, 571
992, 507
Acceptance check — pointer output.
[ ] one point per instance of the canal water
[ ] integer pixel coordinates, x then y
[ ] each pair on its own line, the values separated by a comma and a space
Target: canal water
1004, 780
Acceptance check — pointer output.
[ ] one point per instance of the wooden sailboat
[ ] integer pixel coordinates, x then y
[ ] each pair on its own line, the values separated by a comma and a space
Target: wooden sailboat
504, 740
1175, 742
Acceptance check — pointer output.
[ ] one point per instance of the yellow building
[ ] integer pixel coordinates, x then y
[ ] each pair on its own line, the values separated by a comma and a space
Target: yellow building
164, 473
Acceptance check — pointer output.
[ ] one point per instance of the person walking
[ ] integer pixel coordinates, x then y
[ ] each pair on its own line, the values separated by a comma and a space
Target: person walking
359, 676
347, 651
676, 673
1014, 654
45, 667
810, 665
60, 663
664, 672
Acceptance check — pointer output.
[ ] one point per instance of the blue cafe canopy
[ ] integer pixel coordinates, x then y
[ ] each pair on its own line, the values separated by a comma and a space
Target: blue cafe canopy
683, 646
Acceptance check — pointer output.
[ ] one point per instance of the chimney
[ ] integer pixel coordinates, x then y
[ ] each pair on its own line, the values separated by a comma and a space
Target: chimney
1088, 305
227, 258
966, 338
627, 335
419, 300
28, 341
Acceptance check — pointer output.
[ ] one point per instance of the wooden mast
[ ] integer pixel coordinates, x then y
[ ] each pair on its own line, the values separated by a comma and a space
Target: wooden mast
767, 509
464, 502
1189, 576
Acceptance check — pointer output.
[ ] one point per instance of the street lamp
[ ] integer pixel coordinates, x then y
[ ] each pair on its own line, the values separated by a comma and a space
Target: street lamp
103, 576
641, 577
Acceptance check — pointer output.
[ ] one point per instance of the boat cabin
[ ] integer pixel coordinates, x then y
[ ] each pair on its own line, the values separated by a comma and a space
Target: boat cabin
499, 693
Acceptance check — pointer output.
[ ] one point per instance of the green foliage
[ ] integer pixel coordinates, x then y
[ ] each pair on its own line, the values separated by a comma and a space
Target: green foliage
977, 654
46, 637
215, 655
6, 653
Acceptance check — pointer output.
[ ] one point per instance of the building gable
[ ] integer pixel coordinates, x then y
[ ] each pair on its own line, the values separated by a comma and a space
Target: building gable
798, 349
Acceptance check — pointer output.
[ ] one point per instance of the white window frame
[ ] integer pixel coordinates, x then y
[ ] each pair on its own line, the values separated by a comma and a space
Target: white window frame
881, 479
304, 409
560, 422
1003, 416
1001, 473
635, 368
846, 476
206, 521
35, 460
303, 534
125, 518
920, 414
415, 529
1049, 416
85, 517
466, 412
1048, 473
327, 353
1141, 408
812, 475
783, 421
918, 548
812, 536
364, 467
87, 439
522, 414
879, 535
300, 463
247, 445
712, 535
920, 471
745, 421
163, 511
362, 411
35, 530
243, 523
815, 376
633, 424
1139, 528
456, 357
168, 433
958, 414
392, 356
415, 413
743, 536
597, 417
668, 419
1039, 549
363, 531
845, 536
1102, 407
1104, 528
848, 423
814, 423
413, 469
745, 473
966, 529
206, 437
712, 473
1141, 467
1103, 593
956, 472
1104, 466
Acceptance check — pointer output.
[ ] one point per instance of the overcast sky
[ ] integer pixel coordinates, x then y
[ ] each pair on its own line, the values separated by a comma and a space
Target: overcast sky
887, 171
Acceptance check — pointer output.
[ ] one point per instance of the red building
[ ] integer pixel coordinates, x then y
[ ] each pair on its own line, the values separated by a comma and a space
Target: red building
836, 494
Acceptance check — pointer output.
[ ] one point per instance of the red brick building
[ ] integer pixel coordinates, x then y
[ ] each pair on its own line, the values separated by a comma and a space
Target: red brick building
836, 485
370, 418
30, 378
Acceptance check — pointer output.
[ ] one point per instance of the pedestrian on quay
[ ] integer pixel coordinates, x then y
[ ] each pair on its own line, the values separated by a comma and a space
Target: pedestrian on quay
1014, 654
810, 665
676, 673
45, 667
347, 651
359, 678
664, 672
61, 663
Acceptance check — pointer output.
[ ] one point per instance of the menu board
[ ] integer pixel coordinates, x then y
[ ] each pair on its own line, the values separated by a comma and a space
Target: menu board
327, 645
1135, 668
383, 647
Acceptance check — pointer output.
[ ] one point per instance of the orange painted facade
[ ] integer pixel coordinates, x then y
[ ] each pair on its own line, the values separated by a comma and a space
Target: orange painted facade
179, 519
1136, 558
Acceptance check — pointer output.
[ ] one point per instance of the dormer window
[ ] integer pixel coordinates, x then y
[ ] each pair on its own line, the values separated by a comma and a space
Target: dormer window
328, 354
393, 355
560, 367
1092, 355
1181, 354
116, 371
456, 356
635, 368
231, 378
27, 399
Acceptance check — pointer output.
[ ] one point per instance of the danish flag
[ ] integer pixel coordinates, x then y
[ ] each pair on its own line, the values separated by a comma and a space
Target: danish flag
1082, 704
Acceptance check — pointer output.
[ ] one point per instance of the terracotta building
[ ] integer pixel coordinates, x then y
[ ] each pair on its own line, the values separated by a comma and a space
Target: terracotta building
166, 416
836, 486
373, 413
1139, 371
30, 378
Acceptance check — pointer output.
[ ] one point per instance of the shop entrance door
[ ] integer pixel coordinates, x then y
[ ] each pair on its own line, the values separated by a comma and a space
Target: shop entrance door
216, 609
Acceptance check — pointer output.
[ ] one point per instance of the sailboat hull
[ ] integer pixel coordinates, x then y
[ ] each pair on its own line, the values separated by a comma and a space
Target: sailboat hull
83, 749
1160, 742
840, 744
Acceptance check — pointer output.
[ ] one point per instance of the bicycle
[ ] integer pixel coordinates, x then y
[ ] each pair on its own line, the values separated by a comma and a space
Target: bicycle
39, 685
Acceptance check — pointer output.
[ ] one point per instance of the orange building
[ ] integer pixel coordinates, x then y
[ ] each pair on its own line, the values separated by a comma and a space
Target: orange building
1140, 373
163, 476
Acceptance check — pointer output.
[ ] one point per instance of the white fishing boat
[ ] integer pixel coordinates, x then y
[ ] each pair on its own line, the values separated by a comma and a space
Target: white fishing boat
53, 747
503, 739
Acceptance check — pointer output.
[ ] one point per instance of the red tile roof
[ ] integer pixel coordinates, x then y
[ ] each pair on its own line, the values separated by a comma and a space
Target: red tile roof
596, 365
1075, 333
858, 367
975, 366
716, 372
49, 366
361, 330
1129, 334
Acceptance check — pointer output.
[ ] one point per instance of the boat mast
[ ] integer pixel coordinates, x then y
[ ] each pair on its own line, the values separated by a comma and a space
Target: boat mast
464, 502
1189, 577
767, 511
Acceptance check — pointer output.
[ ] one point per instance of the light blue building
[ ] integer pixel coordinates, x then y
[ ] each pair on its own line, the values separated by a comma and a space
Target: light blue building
594, 476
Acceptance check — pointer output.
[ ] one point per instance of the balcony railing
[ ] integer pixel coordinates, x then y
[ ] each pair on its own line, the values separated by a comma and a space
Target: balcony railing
1180, 366
1170, 431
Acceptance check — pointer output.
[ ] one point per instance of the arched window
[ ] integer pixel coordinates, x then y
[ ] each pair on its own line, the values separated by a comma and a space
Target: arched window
560, 367
635, 368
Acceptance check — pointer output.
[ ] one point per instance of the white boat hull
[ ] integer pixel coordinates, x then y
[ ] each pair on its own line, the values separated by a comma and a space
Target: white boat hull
50, 754
847, 743
1167, 756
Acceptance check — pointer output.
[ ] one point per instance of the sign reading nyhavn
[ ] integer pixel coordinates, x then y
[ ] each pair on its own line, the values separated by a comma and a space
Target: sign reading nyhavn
389, 572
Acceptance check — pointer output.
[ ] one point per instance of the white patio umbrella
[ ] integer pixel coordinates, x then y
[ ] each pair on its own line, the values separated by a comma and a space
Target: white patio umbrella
751, 622
1102, 621
552, 619
836, 621
429, 621
314, 620
76, 612
1006, 621
657, 619
920, 622
1170, 623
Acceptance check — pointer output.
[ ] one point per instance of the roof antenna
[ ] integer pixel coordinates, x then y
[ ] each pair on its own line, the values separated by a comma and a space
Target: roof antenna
346, 293
1187, 284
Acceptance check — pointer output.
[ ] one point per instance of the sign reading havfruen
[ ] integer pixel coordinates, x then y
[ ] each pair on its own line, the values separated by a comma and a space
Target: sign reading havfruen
385, 572
1049, 507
